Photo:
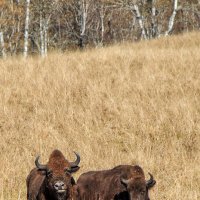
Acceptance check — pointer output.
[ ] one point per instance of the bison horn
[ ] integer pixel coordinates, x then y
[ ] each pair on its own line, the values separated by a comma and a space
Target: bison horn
78, 159
38, 165
125, 181
151, 182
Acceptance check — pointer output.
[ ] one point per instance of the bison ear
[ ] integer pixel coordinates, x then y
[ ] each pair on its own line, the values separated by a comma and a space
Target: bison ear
36, 186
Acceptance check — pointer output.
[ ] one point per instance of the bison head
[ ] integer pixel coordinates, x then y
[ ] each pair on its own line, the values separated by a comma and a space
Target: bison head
58, 175
137, 187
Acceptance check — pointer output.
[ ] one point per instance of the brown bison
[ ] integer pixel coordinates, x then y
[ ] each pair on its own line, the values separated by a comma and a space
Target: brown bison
124, 182
54, 180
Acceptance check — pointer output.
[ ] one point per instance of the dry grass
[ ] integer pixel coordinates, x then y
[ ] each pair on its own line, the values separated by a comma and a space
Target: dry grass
131, 103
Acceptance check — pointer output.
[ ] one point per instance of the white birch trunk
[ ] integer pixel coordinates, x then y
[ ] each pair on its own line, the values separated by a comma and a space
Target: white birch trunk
84, 17
83, 5
153, 20
102, 23
26, 34
172, 18
41, 36
139, 17
3, 54
45, 39
46, 27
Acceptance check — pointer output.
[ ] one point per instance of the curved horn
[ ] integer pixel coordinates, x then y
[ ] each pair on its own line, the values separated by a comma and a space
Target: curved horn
38, 165
75, 163
125, 181
151, 182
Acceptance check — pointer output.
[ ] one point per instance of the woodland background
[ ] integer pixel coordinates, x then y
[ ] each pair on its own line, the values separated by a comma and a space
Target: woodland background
36, 27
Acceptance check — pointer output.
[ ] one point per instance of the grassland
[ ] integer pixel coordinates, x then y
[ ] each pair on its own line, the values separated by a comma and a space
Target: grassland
125, 104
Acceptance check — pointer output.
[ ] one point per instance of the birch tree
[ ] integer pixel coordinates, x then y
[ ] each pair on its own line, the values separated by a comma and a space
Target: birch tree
154, 25
83, 6
45, 12
43, 35
26, 32
2, 49
172, 18
140, 21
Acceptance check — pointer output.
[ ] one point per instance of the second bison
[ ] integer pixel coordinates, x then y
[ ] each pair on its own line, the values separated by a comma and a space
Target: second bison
124, 182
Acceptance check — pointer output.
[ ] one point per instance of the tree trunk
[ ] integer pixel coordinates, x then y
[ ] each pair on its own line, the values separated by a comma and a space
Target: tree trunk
41, 35
83, 9
102, 24
154, 31
45, 39
139, 17
2, 52
172, 18
26, 33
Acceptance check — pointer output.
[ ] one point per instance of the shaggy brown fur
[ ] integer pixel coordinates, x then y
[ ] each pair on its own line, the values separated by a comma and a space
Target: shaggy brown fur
52, 181
57, 162
124, 182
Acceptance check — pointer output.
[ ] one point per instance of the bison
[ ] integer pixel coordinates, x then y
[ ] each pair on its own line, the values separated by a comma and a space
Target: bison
54, 180
124, 182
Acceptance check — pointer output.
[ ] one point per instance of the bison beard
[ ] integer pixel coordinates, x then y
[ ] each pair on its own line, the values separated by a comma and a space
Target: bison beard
53, 181
124, 182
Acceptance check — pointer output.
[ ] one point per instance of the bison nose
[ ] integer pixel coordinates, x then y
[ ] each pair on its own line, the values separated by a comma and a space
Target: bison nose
59, 185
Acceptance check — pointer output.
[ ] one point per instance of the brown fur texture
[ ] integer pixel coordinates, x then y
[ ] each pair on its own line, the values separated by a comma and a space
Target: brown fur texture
53, 183
57, 162
108, 184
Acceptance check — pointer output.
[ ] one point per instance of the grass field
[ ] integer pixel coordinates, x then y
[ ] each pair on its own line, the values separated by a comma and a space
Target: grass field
126, 104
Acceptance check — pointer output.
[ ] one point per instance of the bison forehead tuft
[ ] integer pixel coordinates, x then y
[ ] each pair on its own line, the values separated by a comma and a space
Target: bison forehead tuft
137, 171
56, 154
57, 161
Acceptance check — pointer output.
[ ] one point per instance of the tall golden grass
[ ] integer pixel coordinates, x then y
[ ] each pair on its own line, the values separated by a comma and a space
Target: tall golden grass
125, 104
